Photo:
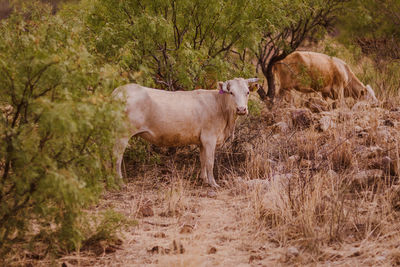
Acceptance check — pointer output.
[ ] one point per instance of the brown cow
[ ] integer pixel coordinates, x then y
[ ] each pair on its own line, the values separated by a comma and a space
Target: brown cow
202, 117
315, 72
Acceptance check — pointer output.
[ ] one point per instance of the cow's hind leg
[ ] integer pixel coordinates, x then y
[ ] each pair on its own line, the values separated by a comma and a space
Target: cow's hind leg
118, 151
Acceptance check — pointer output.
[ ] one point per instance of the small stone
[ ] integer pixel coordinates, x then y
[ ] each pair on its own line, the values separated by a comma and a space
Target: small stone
254, 258
293, 251
281, 126
388, 123
332, 174
212, 250
360, 106
326, 123
383, 135
358, 129
146, 211
293, 159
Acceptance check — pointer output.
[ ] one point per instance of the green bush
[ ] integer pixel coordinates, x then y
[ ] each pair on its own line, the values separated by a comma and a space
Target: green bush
56, 129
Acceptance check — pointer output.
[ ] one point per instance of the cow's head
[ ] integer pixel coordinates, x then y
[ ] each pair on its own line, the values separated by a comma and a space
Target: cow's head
370, 94
239, 89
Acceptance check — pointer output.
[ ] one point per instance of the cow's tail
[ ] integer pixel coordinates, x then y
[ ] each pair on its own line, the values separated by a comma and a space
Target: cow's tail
371, 93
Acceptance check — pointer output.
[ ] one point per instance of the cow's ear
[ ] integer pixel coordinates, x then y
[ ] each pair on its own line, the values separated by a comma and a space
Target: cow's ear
222, 87
252, 80
254, 87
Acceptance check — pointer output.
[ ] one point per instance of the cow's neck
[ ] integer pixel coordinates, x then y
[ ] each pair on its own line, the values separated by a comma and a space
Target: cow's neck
228, 108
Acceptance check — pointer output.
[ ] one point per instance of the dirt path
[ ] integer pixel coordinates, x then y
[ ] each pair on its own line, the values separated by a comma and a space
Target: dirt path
209, 231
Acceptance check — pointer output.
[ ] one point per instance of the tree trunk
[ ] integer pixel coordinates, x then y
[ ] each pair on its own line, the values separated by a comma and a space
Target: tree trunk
271, 81
269, 75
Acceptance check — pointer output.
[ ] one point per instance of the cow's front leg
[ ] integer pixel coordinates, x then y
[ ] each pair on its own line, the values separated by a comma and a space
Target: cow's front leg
203, 157
208, 152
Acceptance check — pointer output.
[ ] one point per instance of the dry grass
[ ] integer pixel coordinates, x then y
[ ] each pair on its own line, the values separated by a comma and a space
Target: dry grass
294, 194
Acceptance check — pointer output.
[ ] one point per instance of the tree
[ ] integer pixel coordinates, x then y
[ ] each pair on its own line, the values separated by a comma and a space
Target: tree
56, 128
284, 25
376, 28
175, 45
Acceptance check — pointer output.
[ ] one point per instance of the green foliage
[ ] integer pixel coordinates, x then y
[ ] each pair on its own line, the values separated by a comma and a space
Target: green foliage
254, 107
171, 44
56, 129
371, 19
374, 25
106, 229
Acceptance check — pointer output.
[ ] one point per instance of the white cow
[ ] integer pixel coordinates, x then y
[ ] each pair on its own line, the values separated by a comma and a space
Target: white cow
203, 117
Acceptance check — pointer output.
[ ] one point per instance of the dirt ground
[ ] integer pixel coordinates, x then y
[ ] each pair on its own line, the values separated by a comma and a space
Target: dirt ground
210, 230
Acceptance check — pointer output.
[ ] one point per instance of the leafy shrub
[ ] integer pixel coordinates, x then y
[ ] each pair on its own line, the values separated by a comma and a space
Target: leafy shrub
171, 44
56, 128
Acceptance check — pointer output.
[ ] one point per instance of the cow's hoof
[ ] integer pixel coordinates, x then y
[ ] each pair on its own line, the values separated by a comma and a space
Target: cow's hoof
214, 185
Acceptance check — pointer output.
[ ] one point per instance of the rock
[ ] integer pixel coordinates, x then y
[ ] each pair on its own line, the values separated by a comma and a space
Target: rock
301, 118
360, 106
293, 159
293, 252
326, 123
388, 123
332, 174
212, 250
281, 126
254, 258
383, 134
146, 209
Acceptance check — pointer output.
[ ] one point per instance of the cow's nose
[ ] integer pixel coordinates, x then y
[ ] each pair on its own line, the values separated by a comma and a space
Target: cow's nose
241, 110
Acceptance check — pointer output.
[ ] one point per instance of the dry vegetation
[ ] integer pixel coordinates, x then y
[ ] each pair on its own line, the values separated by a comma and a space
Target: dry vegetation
300, 188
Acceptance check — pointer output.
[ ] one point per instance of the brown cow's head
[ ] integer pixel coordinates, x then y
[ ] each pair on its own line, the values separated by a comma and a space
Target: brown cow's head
239, 89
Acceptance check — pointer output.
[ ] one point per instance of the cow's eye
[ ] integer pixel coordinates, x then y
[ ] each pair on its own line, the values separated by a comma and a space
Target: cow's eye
231, 93
248, 92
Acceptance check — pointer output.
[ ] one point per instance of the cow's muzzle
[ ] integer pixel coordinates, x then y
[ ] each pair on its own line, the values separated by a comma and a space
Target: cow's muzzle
241, 110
